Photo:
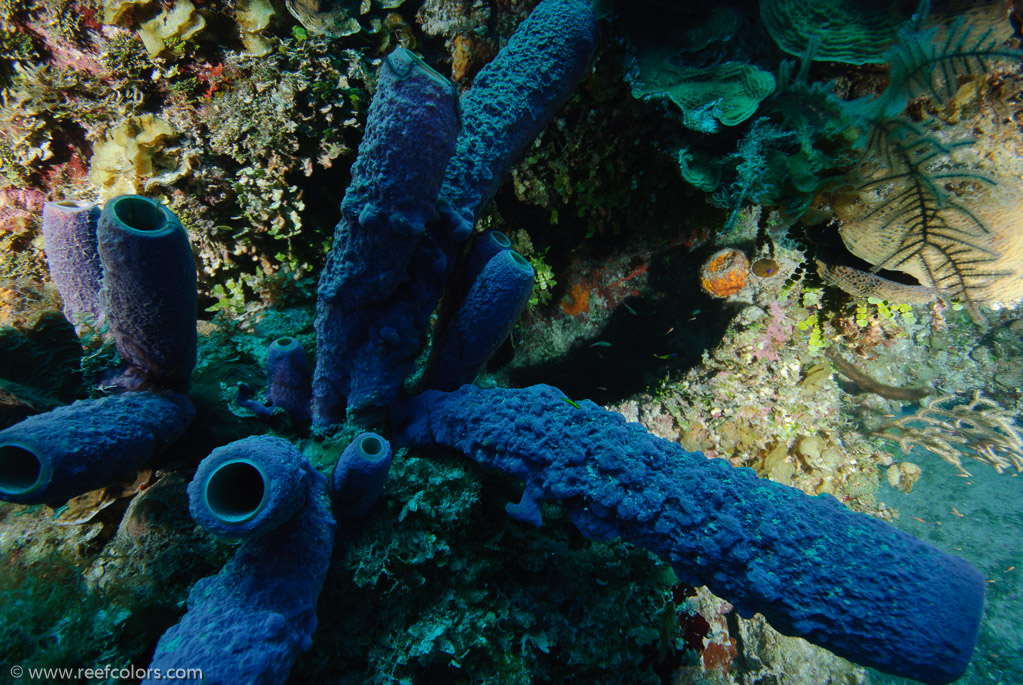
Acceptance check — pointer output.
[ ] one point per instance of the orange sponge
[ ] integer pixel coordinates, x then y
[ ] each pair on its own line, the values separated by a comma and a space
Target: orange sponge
724, 274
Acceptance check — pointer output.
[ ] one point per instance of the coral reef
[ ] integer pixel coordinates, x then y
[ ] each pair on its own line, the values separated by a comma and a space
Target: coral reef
242, 119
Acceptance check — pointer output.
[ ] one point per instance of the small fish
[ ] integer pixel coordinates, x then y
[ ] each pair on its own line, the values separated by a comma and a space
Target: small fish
956, 512
1009, 569
665, 356
572, 402
630, 309
917, 518
668, 332
601, 343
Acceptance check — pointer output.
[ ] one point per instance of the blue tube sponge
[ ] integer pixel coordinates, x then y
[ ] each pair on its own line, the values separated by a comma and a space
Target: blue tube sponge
289, 380
360, 475
484, 248
149, 292
49, 458
515, 95
248, 623
493, 305
72, 254
371, 310
849, 583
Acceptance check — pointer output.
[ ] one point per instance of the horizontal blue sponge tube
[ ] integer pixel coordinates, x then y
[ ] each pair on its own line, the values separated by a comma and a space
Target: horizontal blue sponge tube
849, 583
51, 457
248, 623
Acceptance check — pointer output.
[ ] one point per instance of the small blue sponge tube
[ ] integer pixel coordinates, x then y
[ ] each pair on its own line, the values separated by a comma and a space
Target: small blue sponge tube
248, 623
51, 457
149, 291
289, 379
845, 581
485, 319
360, 475
72, 254
484, 248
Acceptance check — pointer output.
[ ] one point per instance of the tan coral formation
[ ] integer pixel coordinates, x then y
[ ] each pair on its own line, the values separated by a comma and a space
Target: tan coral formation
135, 156
968, 241
988, 240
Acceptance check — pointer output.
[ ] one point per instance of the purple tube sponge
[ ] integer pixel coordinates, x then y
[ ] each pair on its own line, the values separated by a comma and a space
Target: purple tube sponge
149, 291
395, 247
371, 310
72, 254
248, 623
289, 380
484, 248
51, 457
514, 96
360, 475
849, 583
486, 317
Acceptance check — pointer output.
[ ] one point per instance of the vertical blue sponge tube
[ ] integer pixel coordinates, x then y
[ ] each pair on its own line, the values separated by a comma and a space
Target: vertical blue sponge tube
149, 292
484, 248
359, 476
289, 381
486, 317
72, 254
369, 323
845, 581
248, 623
514, 96
51, 457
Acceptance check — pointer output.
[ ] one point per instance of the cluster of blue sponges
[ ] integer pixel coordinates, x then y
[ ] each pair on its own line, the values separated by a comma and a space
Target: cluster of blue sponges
427, 164
130, 267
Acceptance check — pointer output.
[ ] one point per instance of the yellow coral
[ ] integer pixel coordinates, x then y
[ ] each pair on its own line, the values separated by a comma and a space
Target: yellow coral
133, 157
253, 16
180, 22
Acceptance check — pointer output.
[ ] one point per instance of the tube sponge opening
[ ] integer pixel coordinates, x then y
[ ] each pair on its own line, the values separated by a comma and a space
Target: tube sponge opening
20, 470
248, 487
138, 213
371, 446
236, 491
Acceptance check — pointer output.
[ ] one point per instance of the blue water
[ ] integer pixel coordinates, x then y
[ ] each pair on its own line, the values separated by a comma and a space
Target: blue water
988, 534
